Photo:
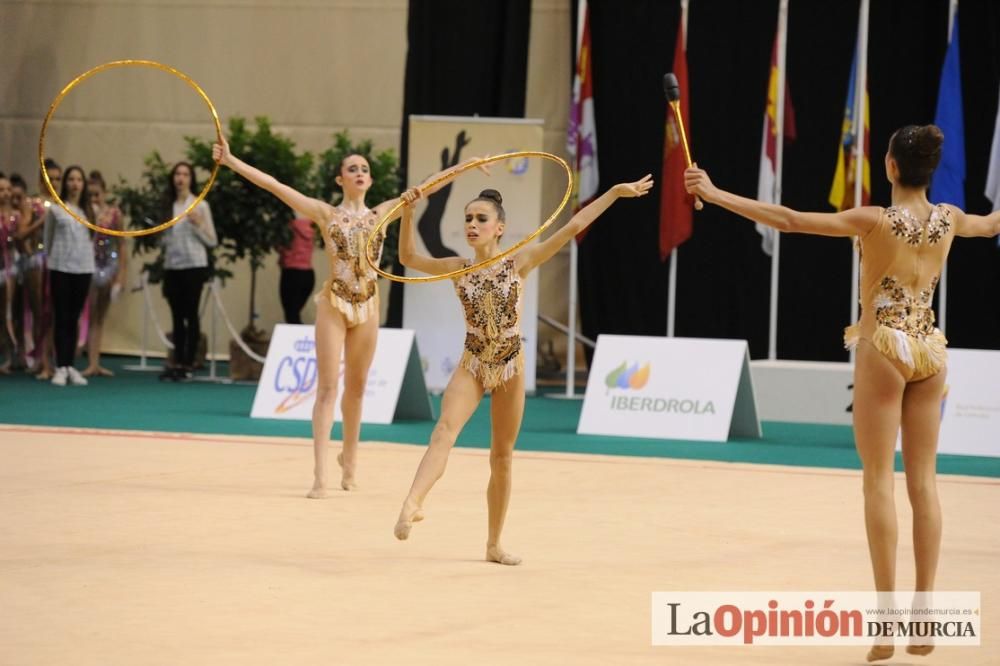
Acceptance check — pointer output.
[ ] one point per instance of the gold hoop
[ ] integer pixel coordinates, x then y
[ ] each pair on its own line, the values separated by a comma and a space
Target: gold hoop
489, 262
86, 75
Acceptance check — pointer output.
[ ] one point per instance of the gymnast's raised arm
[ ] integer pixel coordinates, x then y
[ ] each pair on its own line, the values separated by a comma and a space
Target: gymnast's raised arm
851, 222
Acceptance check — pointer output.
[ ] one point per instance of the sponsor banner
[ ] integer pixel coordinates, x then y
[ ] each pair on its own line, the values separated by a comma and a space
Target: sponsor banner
816, 618
670, 388
970, 423
287, 385
436, 143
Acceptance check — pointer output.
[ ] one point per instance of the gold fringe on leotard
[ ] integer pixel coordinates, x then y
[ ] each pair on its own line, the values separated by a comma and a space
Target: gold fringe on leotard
355, 310
492, 375
926, 354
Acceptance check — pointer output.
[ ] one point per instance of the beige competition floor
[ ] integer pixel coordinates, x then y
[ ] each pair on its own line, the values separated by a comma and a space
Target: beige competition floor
135, 548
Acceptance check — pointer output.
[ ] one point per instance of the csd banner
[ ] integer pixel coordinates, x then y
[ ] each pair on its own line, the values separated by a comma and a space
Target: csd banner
670, 388
287, 386
970, 423
439, 142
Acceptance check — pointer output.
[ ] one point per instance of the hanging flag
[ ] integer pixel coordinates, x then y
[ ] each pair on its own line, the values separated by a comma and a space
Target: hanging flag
769, 147
842, 190
948, 182
676, 204
582, 138
993, 173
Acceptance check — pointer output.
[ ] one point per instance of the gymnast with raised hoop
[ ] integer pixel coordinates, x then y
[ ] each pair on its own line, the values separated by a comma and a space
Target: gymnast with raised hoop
493, 357
347, 310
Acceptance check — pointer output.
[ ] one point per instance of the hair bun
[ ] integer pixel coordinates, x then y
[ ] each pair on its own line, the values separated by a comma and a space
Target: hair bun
492, 195
928, 139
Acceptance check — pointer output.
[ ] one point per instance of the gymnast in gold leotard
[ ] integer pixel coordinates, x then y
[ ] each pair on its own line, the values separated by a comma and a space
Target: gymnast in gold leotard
899, 370
346, 306
901, 261
492, 358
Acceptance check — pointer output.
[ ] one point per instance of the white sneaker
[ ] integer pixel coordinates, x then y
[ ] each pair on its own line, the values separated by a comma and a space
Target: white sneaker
59, 377
75, 378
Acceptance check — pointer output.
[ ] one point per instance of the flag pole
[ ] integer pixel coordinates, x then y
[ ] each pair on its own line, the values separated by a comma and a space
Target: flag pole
772, 324
571, 324
858, 146
573, 252
672, 294
672, 279
943, 283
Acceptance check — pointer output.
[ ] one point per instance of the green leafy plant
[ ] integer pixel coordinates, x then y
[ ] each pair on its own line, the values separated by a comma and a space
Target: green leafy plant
249, 221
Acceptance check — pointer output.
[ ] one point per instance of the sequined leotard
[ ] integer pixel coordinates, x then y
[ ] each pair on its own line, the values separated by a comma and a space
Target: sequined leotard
9, 260
491, 300
351, 288
901, 261
106, 247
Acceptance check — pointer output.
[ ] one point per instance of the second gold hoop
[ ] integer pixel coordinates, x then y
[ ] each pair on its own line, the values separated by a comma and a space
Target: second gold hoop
391, 214
86, 75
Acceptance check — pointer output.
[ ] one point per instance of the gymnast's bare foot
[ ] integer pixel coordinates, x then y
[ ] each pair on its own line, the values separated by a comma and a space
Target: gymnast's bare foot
95, 370
347, 474
319, 490
880, 652
920, 650
500, 556
408, 515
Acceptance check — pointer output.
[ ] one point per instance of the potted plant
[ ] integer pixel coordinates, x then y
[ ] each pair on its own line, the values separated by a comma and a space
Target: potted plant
250, 222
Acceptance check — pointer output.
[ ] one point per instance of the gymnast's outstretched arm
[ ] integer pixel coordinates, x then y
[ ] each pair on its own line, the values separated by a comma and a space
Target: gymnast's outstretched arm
408, 255
426, 188
976, 225
536, 255
316, 210
852, 222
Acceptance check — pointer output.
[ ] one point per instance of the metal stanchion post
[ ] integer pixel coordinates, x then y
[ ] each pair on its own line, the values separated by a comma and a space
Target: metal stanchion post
142, 366
214, 304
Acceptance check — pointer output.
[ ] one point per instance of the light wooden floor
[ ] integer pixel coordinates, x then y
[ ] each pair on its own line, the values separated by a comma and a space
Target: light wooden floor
144, 549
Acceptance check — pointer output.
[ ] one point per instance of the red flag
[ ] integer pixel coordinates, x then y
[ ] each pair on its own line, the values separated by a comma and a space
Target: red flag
675, 203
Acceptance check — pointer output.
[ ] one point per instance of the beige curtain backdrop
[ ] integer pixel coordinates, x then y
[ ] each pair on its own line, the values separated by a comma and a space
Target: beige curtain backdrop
313, 67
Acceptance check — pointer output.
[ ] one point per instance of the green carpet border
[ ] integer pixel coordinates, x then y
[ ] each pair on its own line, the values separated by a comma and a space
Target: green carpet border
138, 401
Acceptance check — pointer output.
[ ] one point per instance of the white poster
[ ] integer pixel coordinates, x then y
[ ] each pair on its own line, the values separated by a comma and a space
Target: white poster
970, 423
439, 142
670, 388
287, 386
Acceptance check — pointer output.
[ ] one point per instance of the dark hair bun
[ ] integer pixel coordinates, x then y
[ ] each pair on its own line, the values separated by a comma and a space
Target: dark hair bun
917, 151
928, 139
492, 195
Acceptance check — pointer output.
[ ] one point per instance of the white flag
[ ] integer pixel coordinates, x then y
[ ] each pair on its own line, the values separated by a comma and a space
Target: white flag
765, 187
993, 175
